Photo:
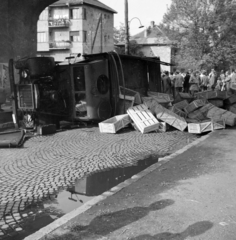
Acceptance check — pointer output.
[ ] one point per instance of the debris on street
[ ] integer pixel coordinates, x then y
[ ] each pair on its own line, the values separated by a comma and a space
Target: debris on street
204, 112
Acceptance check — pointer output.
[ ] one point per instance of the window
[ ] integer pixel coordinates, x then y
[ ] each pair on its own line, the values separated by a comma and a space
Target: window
61, 13
84, 36
42, 37
84, 14
74, 13
75, 36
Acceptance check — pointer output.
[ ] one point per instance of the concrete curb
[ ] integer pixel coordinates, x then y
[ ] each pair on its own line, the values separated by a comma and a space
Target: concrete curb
39, 235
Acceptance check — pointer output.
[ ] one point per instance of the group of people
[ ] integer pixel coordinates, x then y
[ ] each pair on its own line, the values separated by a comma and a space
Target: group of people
195, 81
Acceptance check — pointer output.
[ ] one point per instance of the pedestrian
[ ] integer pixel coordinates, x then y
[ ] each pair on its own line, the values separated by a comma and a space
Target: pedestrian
194, 82
172, 79
166, 82
222, 75
204, 81
186, 82
212, 79
218, 86
178, 82
227, 81
233, 81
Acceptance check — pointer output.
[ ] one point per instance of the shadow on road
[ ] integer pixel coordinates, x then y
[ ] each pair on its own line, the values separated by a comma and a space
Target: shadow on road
110, 222
191, 231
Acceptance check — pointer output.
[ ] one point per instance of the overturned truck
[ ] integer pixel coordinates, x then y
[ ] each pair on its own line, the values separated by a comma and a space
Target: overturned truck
47, 92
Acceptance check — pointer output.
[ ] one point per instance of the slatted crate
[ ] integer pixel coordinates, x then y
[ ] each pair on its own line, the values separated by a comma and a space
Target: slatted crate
216, 102
181, 105
161, 97
143, 118
171, 118
184, 96
114, 124
195, 105
130, 95
206, 126
212, 95
197, 115
231, 99
176, 110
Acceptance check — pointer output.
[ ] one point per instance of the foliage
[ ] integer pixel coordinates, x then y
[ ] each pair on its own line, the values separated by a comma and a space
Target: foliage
204, 31
119, 37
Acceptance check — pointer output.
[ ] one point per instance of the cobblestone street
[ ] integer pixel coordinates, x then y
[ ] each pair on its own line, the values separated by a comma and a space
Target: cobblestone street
46, 163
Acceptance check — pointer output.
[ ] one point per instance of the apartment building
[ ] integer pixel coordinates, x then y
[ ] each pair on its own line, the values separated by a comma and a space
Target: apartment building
71, 27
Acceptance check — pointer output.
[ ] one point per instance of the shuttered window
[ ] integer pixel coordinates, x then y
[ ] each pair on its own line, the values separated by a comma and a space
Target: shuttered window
42, 37
75, 36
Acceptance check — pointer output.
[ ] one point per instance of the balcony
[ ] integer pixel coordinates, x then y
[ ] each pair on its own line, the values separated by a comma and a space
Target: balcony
58, 23
59, 45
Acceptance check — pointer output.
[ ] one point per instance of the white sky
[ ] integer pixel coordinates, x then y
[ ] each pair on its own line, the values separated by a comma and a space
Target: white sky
145, 10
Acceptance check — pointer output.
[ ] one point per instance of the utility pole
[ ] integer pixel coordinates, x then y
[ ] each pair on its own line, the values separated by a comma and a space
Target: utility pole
126, 28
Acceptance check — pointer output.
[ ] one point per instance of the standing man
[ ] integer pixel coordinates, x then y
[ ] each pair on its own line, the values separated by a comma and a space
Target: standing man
178, 82
212, 79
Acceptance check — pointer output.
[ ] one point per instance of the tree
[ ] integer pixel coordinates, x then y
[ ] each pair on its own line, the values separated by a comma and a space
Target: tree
119, 37
204, 31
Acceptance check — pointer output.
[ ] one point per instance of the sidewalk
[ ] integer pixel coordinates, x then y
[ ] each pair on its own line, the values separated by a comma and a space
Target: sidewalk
187, 196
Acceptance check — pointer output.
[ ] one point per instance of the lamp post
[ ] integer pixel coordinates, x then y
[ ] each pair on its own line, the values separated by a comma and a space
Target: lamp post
127, 23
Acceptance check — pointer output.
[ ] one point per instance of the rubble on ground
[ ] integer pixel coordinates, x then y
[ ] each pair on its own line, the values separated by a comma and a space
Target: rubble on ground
205, 111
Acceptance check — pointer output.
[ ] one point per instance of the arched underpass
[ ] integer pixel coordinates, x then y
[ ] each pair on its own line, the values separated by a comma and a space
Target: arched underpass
18, 28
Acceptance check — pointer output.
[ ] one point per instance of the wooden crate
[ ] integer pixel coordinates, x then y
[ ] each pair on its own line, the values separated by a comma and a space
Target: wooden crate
230, 118
195, 105
130, 95
181, 105
232, 109
231, 99
143, 118
171, 118
216, 102
197, 115
174, 109
212, 95
114, 124
215, 112
206, 126
161, 97
164, 127
183, 96
206, 108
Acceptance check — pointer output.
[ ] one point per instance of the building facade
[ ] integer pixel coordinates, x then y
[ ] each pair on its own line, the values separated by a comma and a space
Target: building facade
71, 27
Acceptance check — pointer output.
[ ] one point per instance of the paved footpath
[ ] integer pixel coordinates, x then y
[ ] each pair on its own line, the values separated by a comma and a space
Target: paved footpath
46, 163
189, 195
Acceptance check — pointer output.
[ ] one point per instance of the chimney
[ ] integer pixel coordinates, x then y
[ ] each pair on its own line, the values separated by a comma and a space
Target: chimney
146, 32
152, 24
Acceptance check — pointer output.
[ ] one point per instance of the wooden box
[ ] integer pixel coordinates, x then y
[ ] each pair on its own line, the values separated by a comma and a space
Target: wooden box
161, 97
143, 118
232, 109
215, 112
171, 118
206, 126
230, 118
130, 95
212, 95
176, 110
231, 99
114, 124
183, 96
46, 129
195, 105
197, 115
181, 105
206, 108
216, 102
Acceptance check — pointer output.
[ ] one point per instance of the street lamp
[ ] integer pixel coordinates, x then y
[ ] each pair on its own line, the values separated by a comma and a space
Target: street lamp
127, 23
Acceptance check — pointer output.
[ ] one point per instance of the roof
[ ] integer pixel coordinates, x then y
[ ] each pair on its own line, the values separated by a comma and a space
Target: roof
94, 3
151, 36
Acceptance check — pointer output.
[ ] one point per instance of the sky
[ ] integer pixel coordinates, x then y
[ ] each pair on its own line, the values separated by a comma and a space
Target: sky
145, 10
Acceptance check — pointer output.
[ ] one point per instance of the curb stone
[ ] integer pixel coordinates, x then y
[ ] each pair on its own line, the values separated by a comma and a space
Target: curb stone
41, 234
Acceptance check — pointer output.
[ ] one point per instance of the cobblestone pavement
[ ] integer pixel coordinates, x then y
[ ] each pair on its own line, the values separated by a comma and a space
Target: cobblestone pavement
46, 163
